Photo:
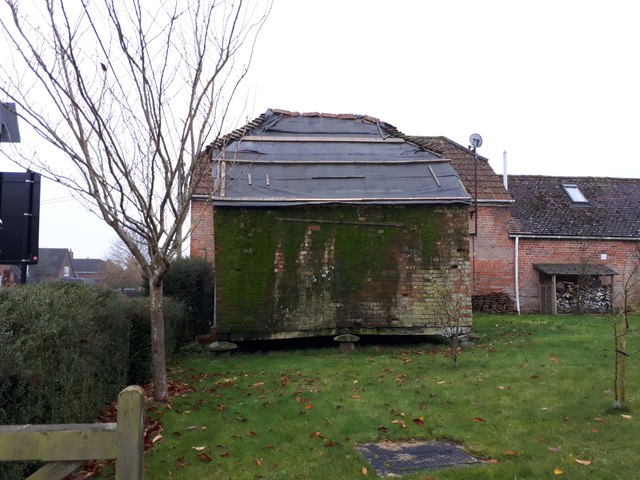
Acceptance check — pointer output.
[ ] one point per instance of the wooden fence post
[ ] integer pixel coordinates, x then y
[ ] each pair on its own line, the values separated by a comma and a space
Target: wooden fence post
130, 437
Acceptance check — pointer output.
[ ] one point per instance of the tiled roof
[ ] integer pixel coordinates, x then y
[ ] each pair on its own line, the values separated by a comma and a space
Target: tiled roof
88, 265
490, 187
543, 208
49, 264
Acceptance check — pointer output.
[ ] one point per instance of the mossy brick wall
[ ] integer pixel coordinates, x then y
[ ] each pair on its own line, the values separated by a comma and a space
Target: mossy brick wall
318, 270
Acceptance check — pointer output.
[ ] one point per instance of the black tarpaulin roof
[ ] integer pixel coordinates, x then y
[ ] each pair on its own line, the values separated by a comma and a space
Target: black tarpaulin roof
298, 159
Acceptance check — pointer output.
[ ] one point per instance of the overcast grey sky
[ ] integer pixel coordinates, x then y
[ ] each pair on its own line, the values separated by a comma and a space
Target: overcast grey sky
555, 83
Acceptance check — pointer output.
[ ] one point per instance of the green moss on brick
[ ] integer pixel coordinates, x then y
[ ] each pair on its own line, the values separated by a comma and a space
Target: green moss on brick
348, 270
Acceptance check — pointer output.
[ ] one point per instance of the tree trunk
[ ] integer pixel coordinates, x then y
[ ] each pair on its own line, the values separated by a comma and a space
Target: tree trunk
158, 357
623, 356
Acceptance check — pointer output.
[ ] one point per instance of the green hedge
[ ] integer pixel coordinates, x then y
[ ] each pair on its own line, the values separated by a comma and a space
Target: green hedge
175, 315
66, 350
190, 280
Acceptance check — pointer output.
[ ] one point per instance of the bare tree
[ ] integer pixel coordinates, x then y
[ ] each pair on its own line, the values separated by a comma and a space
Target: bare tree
121, 269
620, 324
130, 92
452, 302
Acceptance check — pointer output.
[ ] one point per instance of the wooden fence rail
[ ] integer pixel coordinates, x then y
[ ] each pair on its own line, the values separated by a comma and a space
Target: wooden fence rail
67, 447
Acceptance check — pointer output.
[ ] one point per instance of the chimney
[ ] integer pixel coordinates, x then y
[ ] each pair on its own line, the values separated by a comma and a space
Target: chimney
505, 178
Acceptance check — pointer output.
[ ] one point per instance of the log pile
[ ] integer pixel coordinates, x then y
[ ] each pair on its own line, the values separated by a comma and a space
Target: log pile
592, 297
496, 302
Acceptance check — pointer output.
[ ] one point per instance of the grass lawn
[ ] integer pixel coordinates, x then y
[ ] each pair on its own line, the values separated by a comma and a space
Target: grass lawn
531, 397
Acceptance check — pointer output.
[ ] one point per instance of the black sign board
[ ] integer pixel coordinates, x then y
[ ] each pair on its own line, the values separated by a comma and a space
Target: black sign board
19, 217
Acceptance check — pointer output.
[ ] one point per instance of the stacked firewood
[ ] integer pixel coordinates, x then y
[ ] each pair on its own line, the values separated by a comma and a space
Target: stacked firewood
590, 298
496, 302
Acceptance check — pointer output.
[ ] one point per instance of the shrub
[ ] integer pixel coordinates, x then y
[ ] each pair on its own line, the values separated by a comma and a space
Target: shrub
190, 280
175, 316
64, 345
63, 355
67, 349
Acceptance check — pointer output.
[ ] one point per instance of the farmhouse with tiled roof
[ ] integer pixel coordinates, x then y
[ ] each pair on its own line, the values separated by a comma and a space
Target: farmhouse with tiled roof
579, 223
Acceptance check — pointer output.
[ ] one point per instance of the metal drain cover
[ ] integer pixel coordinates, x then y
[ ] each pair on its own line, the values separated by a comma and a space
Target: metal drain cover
392, 459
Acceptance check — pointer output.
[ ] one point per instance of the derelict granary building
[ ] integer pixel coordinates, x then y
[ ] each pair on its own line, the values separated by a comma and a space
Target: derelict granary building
323, 224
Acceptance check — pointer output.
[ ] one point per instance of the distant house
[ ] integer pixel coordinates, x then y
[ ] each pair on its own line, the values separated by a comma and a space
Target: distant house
10, 275
90, 269
53, 264
321, 224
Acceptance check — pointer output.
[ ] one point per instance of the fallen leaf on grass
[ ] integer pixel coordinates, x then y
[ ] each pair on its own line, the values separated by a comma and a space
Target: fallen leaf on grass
510, 453
225, 454
308, 406
330, 443
400, 422
316, 435
259, 384
383, 429
204, 456
419, 421
479, 420
557, 471
364, 471
441, 383
490, 460
258, 461
554, 449
356, 396
252, 433
626, 417
504, 387
586, 463
157, 438
598, 419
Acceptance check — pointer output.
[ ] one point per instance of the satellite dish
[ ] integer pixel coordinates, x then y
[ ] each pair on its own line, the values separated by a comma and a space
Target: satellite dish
476, 140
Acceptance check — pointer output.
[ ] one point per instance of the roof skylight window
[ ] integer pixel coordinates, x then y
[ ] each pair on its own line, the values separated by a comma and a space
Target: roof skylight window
574, 193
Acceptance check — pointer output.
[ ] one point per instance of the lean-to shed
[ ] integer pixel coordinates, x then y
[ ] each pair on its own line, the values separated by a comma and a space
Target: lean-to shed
323, 224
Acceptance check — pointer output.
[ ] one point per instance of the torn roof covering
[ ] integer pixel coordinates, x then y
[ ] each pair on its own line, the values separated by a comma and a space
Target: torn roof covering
285, 158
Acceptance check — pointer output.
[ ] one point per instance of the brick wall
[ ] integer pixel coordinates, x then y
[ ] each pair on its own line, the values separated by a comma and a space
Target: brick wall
620, 257
202, 239
306, 271
492, 252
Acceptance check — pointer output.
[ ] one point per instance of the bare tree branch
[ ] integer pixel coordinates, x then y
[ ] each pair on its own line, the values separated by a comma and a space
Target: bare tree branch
131, 93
